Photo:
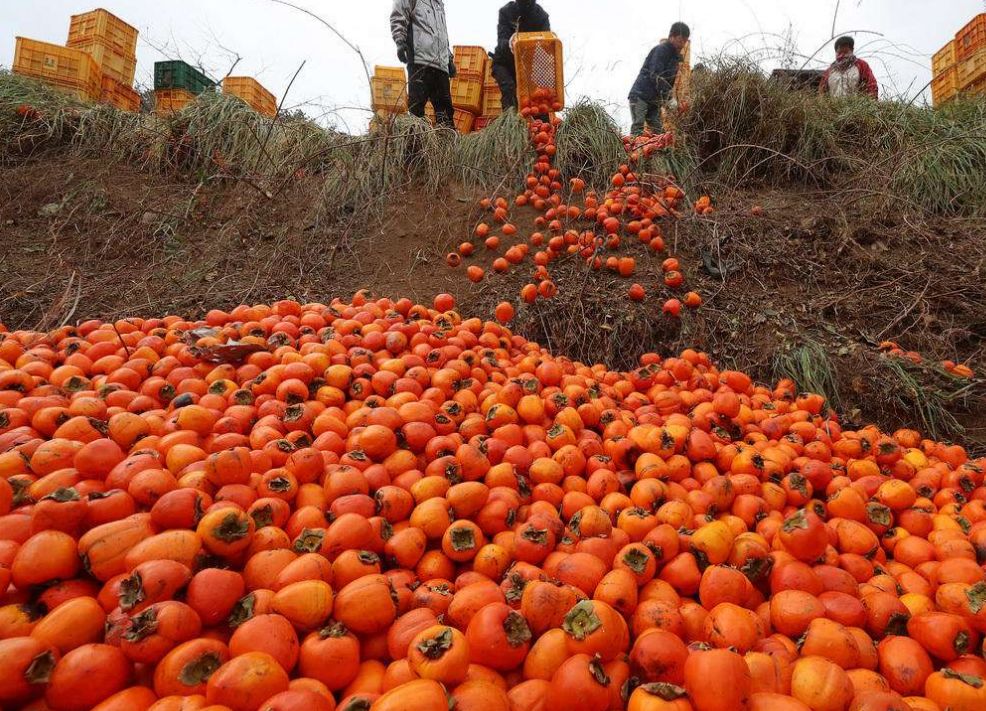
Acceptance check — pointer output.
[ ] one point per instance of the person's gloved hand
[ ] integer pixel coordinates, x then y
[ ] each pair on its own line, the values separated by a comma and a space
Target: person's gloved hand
452, 70
402, 55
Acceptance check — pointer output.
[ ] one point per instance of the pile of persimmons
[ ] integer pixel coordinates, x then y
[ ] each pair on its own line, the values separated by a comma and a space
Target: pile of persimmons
380, 505
576, 221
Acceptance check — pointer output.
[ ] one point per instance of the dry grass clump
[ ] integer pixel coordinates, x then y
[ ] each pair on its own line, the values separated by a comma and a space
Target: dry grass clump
499, 156
746, 129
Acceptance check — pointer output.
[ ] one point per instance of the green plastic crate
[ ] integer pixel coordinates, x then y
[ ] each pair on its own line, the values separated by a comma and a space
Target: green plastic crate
176, 74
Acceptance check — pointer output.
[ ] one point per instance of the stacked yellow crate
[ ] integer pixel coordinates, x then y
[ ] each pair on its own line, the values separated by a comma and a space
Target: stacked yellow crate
113, 44
467, 87
970, 52
168, 101
488, 76
177, 85
972, 71
944, 72
252, 92
960, 66
110, 41
492, 100
463, 120
474, 93
120, 95
470, 59
389, 89
70, 70
97, 63
971, 38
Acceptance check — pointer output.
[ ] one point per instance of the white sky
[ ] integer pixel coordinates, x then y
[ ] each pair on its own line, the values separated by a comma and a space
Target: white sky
605, 40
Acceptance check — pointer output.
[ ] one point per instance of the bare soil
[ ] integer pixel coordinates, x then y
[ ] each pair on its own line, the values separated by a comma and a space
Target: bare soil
80, 238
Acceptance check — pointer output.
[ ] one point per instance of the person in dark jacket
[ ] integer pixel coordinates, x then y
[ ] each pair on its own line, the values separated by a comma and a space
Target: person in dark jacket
656, 80
421, 35
516, 16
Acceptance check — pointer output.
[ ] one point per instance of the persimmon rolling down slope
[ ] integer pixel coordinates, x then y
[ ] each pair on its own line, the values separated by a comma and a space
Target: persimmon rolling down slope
380, 505
575, 223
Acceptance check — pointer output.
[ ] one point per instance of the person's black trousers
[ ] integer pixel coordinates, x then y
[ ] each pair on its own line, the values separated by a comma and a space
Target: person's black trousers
429, 84
506, 77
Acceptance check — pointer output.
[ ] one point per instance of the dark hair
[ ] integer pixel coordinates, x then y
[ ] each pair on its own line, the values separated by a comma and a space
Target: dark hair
680, 29
847, 42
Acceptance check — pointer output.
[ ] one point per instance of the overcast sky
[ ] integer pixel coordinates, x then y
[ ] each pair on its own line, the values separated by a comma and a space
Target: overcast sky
605, 40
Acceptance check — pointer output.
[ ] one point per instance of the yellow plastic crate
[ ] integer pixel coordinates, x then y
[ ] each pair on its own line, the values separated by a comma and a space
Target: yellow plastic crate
389, 89
122, 67
943, 59
171, 100
253, 93
122, 96
463, 120
470, 59
390, 72
71, 70
945, 86
492, 100
467, 92
971, 38
105, 27
540, 65
683, 85
977, 89
972, 69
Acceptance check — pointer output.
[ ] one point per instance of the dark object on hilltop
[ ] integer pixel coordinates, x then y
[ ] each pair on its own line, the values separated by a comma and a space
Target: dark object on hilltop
798, 79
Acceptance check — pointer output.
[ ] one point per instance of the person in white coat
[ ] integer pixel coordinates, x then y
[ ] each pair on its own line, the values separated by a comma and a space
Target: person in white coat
420, 32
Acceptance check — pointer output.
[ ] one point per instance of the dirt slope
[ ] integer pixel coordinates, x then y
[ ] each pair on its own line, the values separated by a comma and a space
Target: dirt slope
810, 289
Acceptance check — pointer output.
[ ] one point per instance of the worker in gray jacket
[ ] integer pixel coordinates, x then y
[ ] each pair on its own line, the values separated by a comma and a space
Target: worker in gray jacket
421, 35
